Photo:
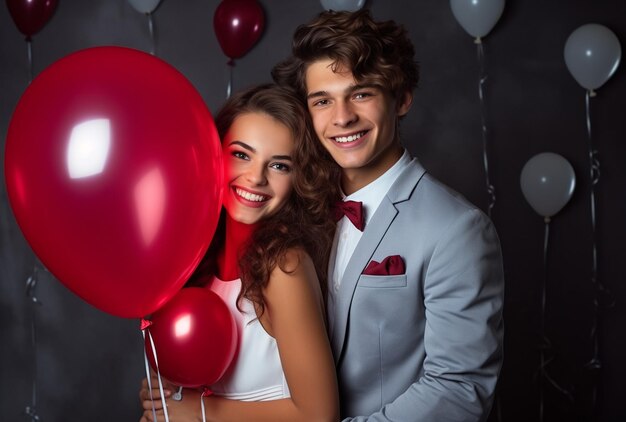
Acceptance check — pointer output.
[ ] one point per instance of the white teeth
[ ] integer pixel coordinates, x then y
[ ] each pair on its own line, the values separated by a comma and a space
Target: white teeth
351, 138
249, 196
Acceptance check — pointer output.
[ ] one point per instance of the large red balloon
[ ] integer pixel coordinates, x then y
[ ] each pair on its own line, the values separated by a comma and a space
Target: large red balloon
31, 15
238, 25
114, 173
195, 338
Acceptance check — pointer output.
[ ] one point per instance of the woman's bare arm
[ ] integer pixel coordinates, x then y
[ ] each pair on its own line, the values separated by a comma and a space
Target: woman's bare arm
295, 318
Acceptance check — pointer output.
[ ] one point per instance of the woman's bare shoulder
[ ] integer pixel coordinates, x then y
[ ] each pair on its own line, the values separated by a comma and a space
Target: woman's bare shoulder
294, 261
294, 275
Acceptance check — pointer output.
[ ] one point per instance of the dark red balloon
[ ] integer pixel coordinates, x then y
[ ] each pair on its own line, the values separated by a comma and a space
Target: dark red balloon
114, 172
195, 338
238, 25
31, 15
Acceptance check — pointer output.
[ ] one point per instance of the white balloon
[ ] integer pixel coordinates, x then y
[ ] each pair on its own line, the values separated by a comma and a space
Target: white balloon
144, 6
477, 17
592, 54
548, 182
340, 5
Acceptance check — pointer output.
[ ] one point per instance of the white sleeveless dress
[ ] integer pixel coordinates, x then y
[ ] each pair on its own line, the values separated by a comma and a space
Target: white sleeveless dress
256, 374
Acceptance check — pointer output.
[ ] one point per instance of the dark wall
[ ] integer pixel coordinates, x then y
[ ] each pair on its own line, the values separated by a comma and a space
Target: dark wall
90, 364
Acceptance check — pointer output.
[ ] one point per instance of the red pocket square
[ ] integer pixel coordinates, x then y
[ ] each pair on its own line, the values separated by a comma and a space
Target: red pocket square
392, 265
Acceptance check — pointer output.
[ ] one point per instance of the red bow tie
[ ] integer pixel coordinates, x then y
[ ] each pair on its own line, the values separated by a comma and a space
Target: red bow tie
353, 210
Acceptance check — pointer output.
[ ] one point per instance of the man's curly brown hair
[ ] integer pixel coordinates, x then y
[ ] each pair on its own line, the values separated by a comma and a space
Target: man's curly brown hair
378, 53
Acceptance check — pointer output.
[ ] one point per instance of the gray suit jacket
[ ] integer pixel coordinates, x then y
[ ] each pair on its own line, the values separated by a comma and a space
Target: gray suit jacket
426, 345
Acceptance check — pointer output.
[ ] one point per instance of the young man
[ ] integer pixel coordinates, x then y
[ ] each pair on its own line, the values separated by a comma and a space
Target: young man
415, 296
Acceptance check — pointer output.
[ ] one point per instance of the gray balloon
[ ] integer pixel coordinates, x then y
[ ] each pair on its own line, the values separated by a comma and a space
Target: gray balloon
592, 54
144, 6
548, 182
339, 5
477, 17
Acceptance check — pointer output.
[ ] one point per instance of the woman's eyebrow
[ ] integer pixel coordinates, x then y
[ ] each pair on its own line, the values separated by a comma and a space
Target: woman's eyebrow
282, 157
242, 145
251, 149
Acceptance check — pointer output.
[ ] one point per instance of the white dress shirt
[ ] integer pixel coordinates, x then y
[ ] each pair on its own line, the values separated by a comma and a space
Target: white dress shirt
347, 236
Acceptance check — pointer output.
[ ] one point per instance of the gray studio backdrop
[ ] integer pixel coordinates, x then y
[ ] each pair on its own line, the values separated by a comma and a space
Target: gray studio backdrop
90, 364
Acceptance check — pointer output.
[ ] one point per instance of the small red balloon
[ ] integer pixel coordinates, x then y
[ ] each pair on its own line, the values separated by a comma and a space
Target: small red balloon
31, 15
238, 25
114, 173
195, 338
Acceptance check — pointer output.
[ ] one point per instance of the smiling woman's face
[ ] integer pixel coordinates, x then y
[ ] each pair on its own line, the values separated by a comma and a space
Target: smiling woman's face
257, 153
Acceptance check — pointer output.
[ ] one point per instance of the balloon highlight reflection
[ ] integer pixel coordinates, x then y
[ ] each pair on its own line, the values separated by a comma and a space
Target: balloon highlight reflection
88, 148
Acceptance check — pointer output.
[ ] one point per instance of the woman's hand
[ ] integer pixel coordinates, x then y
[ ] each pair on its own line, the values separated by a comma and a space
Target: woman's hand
185, 410
148, 400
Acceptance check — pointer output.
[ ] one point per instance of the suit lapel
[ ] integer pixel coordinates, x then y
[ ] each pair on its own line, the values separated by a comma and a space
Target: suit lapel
372, 236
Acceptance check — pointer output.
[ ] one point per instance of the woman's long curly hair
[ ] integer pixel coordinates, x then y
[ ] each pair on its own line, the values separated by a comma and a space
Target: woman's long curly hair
305, 221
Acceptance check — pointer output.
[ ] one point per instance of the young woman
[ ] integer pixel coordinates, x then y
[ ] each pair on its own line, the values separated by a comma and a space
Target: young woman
268, 261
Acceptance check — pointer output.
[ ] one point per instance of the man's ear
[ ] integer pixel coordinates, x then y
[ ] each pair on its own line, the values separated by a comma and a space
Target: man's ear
405, 101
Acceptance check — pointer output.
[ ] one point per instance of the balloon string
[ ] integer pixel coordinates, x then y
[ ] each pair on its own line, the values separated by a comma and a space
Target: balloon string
594, 174
546, 345
545, 342
148, 376
31, 284
156, 363
595, 362
152, 36
29, 52
205, 392
231, 65
203, 409
481, 81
